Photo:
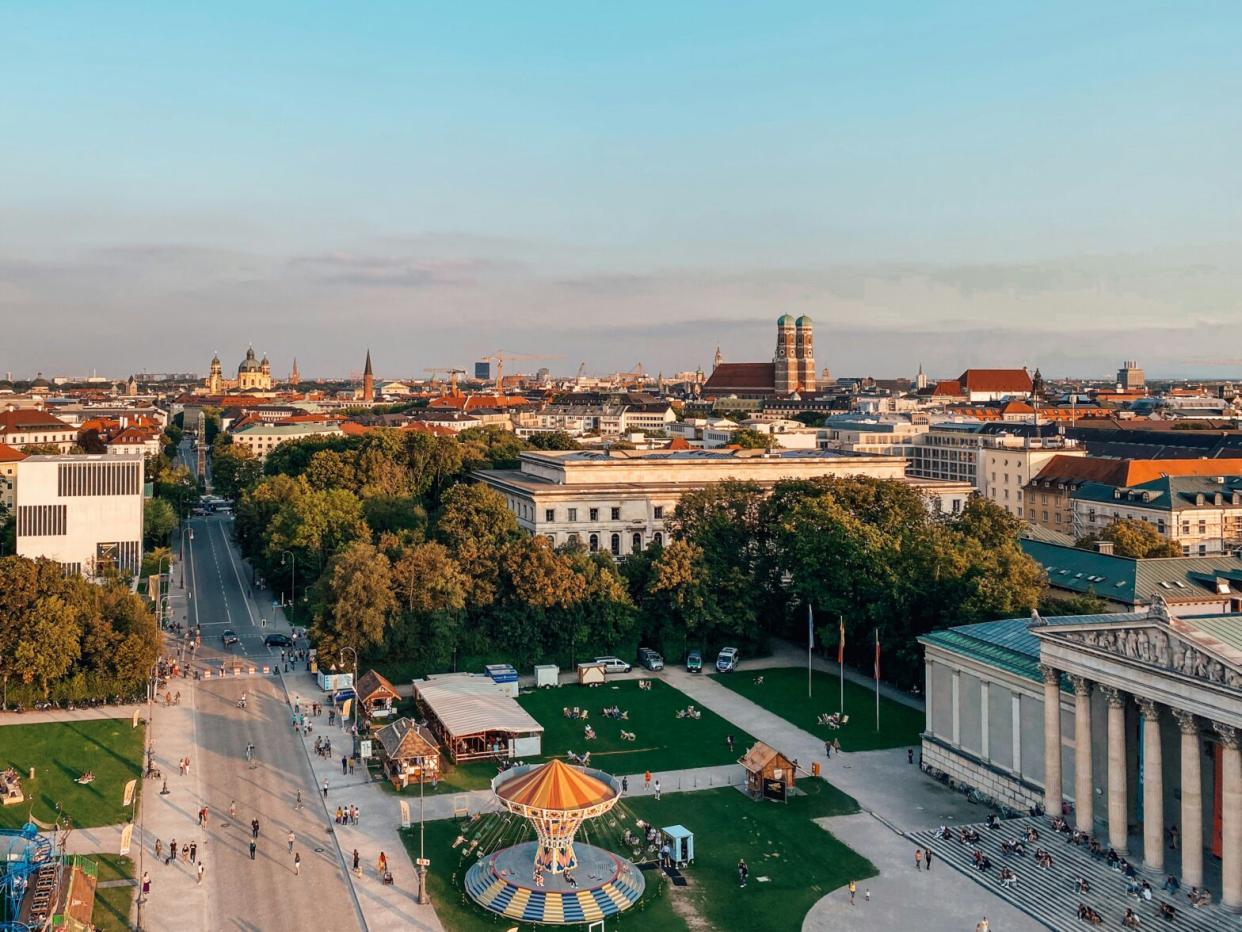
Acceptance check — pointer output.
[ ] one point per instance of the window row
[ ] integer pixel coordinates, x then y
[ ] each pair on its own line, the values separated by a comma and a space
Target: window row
42, 520
98, 478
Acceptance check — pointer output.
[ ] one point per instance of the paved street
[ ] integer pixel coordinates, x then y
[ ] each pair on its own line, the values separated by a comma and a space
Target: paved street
209, 727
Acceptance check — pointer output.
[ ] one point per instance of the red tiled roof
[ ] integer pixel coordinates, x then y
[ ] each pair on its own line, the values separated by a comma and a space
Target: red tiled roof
746, 376
949, 387
996, 380
678, 443
26, 418
1129, 473
10, 454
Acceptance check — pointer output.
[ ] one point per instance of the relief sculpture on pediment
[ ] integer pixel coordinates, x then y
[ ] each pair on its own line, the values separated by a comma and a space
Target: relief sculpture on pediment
1156, 647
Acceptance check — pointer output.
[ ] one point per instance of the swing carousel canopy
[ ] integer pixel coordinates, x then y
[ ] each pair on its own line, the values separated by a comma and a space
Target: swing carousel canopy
555, 787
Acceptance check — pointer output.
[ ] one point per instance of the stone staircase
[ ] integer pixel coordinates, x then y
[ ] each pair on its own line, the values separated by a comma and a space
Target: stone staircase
1051, 896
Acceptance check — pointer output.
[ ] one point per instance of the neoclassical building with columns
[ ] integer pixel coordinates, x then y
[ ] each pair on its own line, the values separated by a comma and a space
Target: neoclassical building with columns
1134, 719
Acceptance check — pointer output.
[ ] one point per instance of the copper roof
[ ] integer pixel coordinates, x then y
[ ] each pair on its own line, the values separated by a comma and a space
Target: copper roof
996, 380
556, 786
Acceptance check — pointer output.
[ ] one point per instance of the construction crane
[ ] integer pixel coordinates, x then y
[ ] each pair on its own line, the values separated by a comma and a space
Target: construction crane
499, 358
581, 371
453, 374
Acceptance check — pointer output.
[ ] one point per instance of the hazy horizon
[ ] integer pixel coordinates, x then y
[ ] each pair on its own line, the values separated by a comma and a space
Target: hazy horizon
953, 187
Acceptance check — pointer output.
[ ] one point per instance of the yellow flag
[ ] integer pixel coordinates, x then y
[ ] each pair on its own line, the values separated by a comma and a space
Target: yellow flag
129, 793
127, 836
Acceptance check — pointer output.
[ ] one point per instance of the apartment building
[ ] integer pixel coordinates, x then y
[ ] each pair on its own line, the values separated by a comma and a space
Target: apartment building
84, 511
9, 458
25, 427
262, 439
1203, 514
874, 436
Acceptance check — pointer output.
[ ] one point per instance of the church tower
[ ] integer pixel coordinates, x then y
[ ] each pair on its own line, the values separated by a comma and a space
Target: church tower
717, 359
785, 363
215, 379
295, 377
368, 381
805, 353
920, 380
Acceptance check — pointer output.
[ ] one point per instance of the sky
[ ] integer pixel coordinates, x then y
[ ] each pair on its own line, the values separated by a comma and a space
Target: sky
952, 184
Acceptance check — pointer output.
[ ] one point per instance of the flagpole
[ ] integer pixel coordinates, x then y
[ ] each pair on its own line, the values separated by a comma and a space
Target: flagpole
810, 641
877, 679
841, 659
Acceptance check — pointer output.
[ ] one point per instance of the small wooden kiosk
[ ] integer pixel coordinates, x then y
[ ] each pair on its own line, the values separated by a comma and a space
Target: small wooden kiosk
411, 754
769, 773
377, 695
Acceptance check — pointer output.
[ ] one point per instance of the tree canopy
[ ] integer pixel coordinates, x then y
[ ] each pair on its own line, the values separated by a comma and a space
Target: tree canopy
1132, 538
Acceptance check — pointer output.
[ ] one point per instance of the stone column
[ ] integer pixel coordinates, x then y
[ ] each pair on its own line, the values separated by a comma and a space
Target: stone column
1231, 819
1084, 783
1153, 788
1052, 739
1192, 800
1118, 809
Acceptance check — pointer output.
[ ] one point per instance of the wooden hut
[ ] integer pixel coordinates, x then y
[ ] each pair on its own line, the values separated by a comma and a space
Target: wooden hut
769, 773
377, 695
410, 753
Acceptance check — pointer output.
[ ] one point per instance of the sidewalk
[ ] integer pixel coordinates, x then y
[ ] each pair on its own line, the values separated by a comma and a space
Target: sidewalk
30, 717
393, 907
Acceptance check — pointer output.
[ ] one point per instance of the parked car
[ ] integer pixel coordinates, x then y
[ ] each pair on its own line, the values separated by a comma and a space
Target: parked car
229, 636
278, 640
728, 660
614, 664
694, 661
650, 659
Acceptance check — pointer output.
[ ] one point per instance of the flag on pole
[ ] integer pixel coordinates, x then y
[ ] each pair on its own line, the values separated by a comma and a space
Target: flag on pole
841, 642
810, 628
877, 656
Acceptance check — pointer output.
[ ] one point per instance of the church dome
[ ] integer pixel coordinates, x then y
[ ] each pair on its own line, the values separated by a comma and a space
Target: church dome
785, 320
40, 382
804, 321
249, 364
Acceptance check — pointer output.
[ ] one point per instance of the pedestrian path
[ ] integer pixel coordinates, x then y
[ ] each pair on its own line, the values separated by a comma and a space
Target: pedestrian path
1051, 895
93, 713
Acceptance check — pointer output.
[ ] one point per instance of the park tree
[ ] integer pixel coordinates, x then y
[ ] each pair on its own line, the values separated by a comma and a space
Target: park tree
158, 521
331, 469
1132, 538
49, 643
354, 600
234, 469
476, 525
492, 447
552, 440
750, 439
680, 601
431, 591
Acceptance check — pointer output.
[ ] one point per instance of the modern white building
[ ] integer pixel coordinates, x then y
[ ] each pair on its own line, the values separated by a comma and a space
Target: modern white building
262, 439
84, 512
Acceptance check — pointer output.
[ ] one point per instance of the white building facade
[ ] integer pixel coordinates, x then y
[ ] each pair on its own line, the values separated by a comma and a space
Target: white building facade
84, 512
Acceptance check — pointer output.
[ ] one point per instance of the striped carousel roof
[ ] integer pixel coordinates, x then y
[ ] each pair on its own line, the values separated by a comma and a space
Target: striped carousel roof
556, 786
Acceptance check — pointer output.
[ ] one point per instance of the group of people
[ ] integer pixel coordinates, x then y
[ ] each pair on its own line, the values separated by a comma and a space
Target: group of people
616, 712
323, 746
347, 815
575, 713
689, 712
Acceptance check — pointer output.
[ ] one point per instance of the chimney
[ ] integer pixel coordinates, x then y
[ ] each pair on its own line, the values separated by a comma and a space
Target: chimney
1104, 546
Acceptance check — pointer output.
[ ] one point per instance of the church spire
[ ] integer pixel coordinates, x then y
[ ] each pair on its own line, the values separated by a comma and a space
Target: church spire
368, 380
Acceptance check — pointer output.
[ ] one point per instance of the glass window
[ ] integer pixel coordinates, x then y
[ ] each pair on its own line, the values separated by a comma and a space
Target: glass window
659, 512
616, 514
594, 513
637, 544
573, 514
549, 514
658, 539
593, 543
615, 545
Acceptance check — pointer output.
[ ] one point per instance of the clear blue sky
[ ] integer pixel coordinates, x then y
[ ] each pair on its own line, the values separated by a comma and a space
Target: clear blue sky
610, 182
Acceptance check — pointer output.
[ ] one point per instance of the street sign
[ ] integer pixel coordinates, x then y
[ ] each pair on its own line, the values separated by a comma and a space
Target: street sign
774, 789
364, 749
405, 814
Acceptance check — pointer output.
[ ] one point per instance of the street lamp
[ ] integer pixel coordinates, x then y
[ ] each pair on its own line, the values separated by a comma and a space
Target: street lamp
293, 576
355, 653
422, 862
159, 581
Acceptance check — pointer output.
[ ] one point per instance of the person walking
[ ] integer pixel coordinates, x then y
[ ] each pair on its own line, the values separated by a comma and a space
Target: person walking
233, 809
828, 749
344, 765
253, 847
298, 804
657, 790
254, 828
159, 848
291, 841
625, 784
382, 865
325, 789
743, 873
729, 742
982, 925
146, 884
647, 780
201, 869
909, 755
297, 864
172, 851
853, 890
193, 851
918, 858
357, 860
927, 857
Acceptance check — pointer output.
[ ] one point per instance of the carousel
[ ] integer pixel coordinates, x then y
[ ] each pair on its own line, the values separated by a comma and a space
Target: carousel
551, 879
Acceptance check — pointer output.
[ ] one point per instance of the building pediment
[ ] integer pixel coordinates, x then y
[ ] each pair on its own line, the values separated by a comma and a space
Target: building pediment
1175, 646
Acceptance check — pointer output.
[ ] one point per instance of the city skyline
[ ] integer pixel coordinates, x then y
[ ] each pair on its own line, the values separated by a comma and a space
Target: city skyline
947, 187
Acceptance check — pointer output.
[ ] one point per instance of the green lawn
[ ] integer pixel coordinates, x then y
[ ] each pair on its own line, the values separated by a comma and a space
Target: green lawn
60, 753
780, 842
112, 904
663, 741
476, 775
783, 692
